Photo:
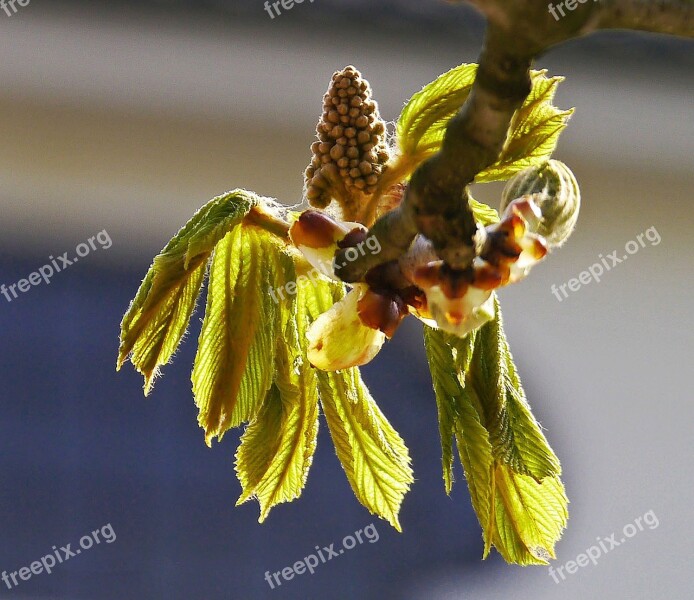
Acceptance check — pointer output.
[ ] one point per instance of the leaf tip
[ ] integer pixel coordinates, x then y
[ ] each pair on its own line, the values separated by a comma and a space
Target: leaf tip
243, 498
123, 354
150, 376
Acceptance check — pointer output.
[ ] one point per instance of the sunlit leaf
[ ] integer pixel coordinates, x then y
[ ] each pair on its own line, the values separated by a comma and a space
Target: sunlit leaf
515, 435
484, 214
534, 132
522, 516
236, 351
372, 453
449, 358
158, 317
277, 448
532, 137
374, 457
529, 517
422, 123
447, 388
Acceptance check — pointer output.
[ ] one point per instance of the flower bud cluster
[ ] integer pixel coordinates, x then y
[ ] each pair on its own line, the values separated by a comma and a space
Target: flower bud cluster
351, 150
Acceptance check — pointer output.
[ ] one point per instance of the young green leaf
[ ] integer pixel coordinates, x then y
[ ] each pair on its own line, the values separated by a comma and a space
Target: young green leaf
520, 515
445, 390
515, 435
534, 132
529, 516
484, 214
262, 442
277, 448
422, 123
531, 140
449, 358
475, 452
373, 455
236, 352
158, 317
448, 390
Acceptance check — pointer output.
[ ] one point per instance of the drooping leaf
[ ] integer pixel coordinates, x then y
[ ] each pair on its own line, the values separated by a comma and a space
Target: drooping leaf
534, 133
475, 452
277, 448
447, 389
530, 516
260, 444
373, 456
516, 437
236, 351
520, 515
158, 317
449, 358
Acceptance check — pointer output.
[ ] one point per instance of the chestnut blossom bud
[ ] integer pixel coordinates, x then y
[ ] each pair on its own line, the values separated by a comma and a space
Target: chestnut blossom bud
554, 189
351, 150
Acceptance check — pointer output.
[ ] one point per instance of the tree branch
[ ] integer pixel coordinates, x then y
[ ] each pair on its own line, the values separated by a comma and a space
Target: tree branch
673, 17
435, 203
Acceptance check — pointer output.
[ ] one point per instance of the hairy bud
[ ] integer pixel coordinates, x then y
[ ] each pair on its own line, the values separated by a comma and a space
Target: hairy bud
554, 190
351, 150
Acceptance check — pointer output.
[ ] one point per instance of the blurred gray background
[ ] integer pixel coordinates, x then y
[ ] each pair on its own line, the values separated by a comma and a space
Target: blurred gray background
128, 116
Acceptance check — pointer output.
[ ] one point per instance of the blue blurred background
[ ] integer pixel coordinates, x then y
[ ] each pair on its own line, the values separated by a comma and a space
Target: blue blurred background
126, 117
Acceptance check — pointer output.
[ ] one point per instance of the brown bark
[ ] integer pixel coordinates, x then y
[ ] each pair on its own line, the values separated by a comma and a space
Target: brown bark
435, 202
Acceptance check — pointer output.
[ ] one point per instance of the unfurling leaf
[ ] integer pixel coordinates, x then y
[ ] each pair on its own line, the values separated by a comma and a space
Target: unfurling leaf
236, 351
373, 456
443, 364
531, 139
251, 364
422, 123
529, 516
483, 214
277, 448
512, 473
158, 317
516, 437
534, 132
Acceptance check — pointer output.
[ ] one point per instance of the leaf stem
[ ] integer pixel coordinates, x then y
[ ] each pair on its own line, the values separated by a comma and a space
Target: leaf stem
268, 221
